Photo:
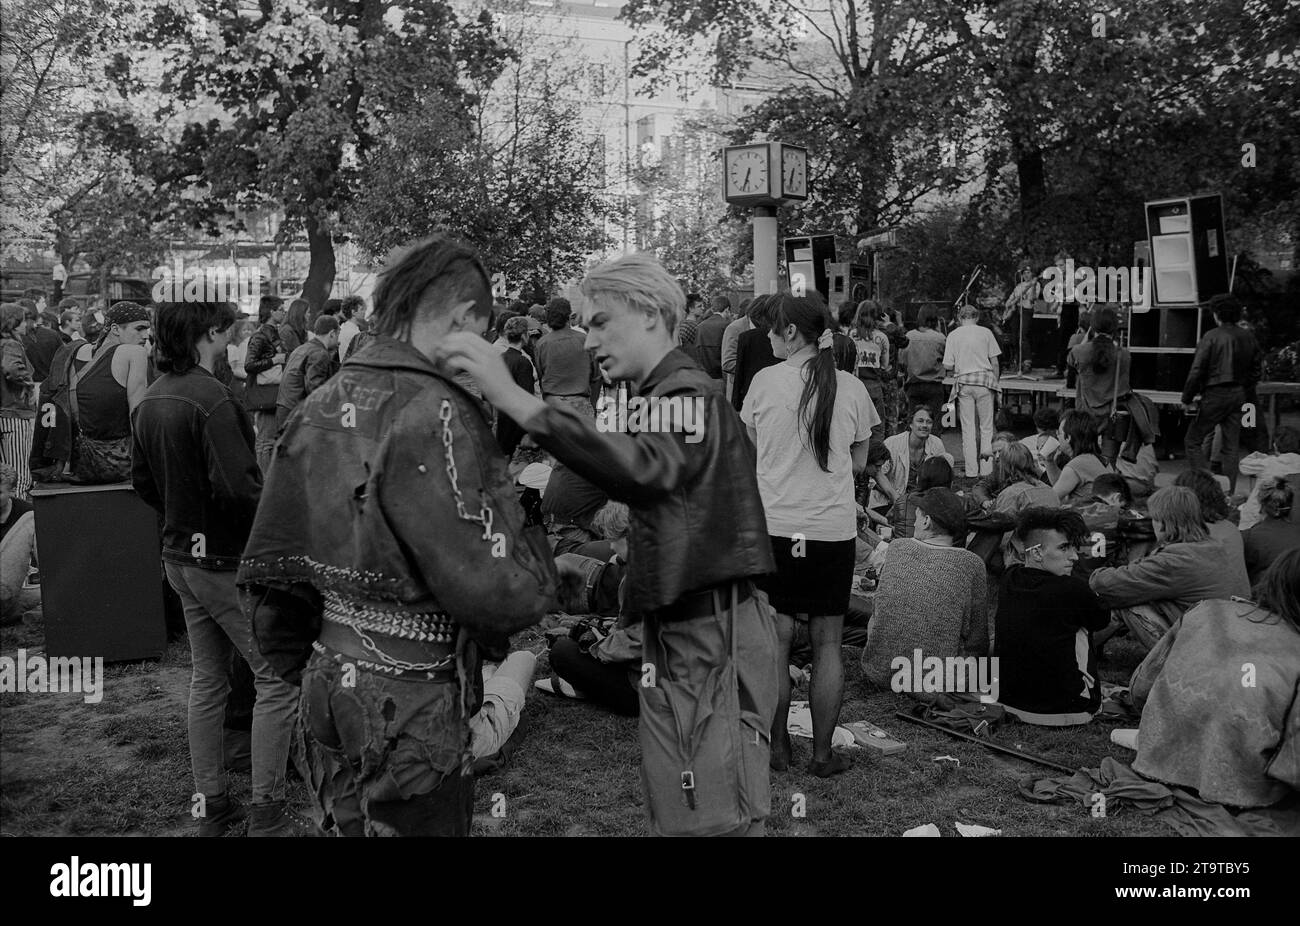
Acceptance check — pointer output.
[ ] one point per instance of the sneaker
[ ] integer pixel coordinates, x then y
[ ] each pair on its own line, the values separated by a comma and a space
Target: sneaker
222, 814
277, 818
558, 686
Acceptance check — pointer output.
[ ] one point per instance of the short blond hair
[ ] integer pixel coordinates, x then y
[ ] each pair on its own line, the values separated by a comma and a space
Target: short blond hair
640, 282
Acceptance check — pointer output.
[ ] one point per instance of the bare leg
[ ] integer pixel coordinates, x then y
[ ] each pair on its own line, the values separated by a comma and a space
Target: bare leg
780, 760
827, 688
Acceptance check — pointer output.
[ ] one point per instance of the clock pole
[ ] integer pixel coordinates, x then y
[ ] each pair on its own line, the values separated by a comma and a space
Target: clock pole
765, 261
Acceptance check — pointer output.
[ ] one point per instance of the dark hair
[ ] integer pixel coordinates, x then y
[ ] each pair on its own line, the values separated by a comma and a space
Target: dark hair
1065, 520
331, 307
1104, 323
91, 327
68, 302
267, 305
28, 306
935, 472
848, 309
557, 316
719, 303
1047, 418
1287, 439
1214, 507
297, 317
927, 317
178, 327
352, 305
34, 293
452, 269
324, 324
693, 298
760, 312
11, 316
817, 402
1107, 483
1081, 431
66, 316
1278, 589
1226, 307
50, 319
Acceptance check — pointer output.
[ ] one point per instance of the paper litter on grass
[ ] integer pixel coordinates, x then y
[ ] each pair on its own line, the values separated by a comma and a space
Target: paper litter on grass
928, 829
799, 723
974, 829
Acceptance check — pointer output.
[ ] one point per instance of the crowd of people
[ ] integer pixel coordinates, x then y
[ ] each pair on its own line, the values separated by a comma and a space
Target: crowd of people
371, 535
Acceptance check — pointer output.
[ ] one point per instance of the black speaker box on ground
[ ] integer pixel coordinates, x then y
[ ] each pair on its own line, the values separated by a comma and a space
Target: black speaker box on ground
101, 572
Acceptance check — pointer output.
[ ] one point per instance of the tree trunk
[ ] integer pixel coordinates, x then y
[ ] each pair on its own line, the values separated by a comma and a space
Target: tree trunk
320, 273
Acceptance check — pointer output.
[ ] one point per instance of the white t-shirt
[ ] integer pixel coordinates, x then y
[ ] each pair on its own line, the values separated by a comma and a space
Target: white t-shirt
873, 351
970, 349
798, 496
347, 331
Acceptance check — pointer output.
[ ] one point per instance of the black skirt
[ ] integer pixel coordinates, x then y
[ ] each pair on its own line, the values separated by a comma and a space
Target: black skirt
813, 577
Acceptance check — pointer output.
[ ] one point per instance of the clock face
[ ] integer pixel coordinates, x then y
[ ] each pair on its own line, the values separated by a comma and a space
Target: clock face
747, 171
794, 172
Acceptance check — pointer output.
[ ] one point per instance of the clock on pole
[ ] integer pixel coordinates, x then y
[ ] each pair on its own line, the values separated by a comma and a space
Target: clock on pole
764, 175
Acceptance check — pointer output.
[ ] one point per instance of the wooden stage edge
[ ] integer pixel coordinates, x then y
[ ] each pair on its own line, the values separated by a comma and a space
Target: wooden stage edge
1057, 387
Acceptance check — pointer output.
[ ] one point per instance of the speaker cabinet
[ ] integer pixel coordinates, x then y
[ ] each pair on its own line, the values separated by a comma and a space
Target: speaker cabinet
808, 257
101, 572
1188, 249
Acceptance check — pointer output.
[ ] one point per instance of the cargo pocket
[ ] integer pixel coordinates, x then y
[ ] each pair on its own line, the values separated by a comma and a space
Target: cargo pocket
691, 758
755, 756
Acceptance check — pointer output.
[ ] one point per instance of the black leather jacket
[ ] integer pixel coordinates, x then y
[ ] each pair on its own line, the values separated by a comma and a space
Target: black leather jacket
696, 516
192, 459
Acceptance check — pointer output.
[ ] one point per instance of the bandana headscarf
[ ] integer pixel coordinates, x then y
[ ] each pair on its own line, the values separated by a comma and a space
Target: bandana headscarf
124, 313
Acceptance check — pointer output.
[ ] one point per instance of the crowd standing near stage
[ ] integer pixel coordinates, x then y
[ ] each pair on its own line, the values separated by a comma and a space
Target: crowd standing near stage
372, 537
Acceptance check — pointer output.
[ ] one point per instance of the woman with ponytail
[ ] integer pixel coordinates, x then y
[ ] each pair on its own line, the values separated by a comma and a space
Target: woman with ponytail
1098, 359
811, 424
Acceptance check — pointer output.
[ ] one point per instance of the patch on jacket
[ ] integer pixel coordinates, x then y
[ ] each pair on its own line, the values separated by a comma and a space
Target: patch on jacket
350, 407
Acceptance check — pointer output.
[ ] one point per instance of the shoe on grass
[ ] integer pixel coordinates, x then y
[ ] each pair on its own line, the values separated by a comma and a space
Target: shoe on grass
837, 763
558, 686
222, 813
277, 818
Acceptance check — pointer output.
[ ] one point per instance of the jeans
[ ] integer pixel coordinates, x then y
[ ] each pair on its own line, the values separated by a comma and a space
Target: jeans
976, 403
216, 623
1220, 407
264, 445
388, 756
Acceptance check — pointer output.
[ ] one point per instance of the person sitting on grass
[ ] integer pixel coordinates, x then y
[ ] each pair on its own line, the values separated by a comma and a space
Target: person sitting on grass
603, 664
1078, 435
1277, 533
1283, 460
987, 489
936, 473
1214, 509
17, 550
932, 594
898, 477
1202, 726
1113, 490
1044, 444
1017, 472
1045, 619
1186, 567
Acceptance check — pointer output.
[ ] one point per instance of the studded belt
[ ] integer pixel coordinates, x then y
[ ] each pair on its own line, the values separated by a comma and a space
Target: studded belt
393, 642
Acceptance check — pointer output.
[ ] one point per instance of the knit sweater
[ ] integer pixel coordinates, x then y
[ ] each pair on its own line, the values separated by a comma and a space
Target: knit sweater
930, 598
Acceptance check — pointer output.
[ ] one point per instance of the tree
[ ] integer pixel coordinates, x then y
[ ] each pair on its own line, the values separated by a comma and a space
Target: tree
517, 177
689, 227
286, 99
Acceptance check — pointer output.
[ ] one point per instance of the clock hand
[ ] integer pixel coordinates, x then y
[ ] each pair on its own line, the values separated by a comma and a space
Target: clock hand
745, 185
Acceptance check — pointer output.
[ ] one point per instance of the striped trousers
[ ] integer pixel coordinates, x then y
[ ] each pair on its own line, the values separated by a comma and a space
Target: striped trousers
16, 448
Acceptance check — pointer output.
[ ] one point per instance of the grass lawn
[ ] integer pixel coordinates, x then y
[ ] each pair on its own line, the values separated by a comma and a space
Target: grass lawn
121, 767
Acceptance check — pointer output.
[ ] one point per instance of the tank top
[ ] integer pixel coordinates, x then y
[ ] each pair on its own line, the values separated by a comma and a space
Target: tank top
103, 412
